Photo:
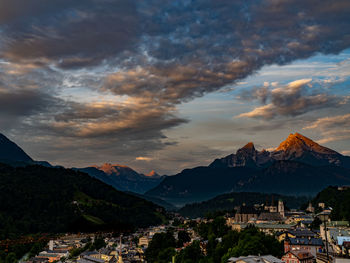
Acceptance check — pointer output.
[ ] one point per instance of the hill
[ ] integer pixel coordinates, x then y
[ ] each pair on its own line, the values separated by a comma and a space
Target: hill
198, 184
12, 154
37, 199
227, 202
282, 177
336, 198
154, 200
295, 178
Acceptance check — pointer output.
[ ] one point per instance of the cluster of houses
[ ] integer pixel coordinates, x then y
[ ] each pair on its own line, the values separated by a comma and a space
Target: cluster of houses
117, 250
301, 244
123, 249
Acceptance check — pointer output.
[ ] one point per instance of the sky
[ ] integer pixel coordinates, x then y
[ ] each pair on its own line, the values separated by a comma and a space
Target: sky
169, 85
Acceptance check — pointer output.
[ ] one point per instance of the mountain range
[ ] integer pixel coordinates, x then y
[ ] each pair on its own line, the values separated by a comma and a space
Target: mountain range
121, 177
299, 166
295, 148
126, 179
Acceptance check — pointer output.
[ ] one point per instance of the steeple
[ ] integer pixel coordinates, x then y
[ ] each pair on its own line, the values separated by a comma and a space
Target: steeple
120, 258
281, 207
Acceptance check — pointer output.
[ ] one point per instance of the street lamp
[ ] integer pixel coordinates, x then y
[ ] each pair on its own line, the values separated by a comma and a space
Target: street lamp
324, 216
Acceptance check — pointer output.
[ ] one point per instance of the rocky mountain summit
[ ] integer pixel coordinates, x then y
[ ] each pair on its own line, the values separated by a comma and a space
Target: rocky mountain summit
298, 166
295, 148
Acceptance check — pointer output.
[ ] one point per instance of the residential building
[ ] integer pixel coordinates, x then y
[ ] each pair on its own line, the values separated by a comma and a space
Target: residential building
52, 255
143, 241
312, 245
298, 256
296, 233
255, 259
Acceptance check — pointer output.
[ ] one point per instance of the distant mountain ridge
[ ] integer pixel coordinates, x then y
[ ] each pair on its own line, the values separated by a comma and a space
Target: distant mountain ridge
123, 177
299, 166
295, 148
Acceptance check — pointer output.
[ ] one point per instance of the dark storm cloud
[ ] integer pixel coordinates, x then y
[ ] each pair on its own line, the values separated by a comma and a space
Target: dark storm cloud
212, 33
71, 34
200, 46
17, 105
184, 48
27, 102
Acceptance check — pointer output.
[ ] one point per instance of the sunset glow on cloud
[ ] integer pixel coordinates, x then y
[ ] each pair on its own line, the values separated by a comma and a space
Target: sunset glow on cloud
165, 85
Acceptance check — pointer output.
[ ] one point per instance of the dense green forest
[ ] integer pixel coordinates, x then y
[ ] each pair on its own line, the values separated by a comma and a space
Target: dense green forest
338, 200
227, 202
219, 243
36, 199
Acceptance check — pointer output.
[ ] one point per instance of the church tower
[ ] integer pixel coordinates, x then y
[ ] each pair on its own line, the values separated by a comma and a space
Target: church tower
120, 258
281, 207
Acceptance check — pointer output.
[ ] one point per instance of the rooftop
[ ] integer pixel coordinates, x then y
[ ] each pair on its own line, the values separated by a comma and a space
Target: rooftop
256, 259
306, 241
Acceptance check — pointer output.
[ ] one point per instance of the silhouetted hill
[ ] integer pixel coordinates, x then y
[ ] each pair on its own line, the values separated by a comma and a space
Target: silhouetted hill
11, 152
200, 183
336, 198
50, 200
227, 202
282, 177
295, 178
155, 200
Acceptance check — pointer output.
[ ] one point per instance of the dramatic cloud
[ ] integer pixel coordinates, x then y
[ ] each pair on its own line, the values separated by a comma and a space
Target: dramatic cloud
129, 120
60, 59
330, 122
67, 33
335, 128
294, 99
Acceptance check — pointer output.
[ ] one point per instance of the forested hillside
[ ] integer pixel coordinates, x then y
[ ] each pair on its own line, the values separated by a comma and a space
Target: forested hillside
48, 200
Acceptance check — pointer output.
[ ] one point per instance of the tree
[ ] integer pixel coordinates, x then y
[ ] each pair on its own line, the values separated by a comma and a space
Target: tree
98, 243
159, 243
11, 258
166, 255
190, 254
182, 238
253, 242
177, 222
316, 223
